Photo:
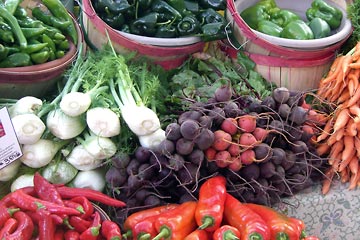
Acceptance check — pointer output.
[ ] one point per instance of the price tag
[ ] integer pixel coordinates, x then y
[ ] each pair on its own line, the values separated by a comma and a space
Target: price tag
10, 149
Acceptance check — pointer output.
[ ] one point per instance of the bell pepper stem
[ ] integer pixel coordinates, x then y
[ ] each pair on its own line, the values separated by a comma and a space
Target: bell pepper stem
145, 236
255, 236
207, 222
165, 232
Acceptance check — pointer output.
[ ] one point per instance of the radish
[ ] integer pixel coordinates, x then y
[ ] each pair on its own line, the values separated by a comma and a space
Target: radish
235, 164
260, 134
247, 140
234, 150
210, 154
247, 123
248, 157
230, 126
222, 140
223, 159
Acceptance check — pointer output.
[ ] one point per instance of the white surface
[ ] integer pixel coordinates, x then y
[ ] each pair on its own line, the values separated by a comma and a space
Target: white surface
300, 7
166, 42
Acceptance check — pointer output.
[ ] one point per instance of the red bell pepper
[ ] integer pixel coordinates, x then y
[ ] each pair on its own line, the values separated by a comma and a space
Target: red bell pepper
92, 232
281, 227
6, 213
198, 234
176, 223
226, 232
25, 227
210, 207
249, 223
110, 230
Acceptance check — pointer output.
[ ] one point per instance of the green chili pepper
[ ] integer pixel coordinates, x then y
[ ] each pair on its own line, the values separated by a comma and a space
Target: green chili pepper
63, 45
297, 29
58, 10
11, 5
214, 31
33, 32
12, 50
40, 57
28, 22
49, 19
46, 39
54, 33
166, 31
20, 12
214, 4
210, 16
11, 20
325, 11
165, 11
19, 59
269, 27
59, 53
145, 25
32, 48
6, 34
189, 25
3, 52
319, 27
283, 16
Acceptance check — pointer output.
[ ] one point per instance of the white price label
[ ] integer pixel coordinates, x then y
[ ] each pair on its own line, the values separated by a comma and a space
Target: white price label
10, 149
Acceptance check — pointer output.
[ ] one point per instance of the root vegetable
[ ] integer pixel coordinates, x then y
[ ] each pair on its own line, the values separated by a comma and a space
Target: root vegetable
298, 115
222, 140
248, 157
263, 152
172, 131
189, 115
250, 172
247, 140
205, 139
281, 94
184, 146
206, 121
210, 154
166, 147
9, 171
223, 93
197, 156
189, 129
260, 134
223, 159
235, 164
230, 125
247, 123
217, 114
234, 150
28, 128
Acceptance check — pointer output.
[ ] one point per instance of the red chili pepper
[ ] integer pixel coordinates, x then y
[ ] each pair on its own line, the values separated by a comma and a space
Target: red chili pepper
8, 228
110, 230
59, 234
176, 223
79, 224
25, 227
6, 200
75, 205
281, 227
46, 225
27, 202
249, 223
138, 216
92, 232
6, 213
198, 234
226, 232
210, 207
45, 190
71, 235
93, 195
86, 205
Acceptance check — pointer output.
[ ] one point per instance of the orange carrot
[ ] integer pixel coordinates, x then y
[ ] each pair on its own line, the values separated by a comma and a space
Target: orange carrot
348, 152
322, 149
354, 181
342, 118
335, 69
351, 128
345, 175
337, 148
354, 164
355, 65
355, 98
339, 134
355, 110
326, 131
345, 65
329, 175
345, 95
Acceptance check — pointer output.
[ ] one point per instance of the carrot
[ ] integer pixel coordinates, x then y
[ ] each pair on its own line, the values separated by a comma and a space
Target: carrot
336, 148
340, 134
345, 95
357, 145
342, 118
329, 175
345, 65
354, 181
326, 131
355, 110
345, 175
322, 149
355, 98
348, 152
351, 128
355, 65
354, 164
334, 69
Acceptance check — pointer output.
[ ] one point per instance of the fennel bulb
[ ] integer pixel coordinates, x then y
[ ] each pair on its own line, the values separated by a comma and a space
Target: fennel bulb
99, 147
10, 171
27, 104
75, 103
28, 128
82, 159
93, 179
64, 126
25, 180
103, 121
59, 172
41, 153
152, 140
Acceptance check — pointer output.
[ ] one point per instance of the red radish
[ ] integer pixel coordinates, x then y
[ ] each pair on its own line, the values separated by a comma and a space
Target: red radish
247, 123
247, 140
223, 158
222, 140
234, 150
260, 133
210, 154
236, 164
230, 126
247, 157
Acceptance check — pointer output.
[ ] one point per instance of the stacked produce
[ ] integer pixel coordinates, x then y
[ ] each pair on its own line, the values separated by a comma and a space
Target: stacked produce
266, 17
166, 18
215, 215
47, 211
36, 35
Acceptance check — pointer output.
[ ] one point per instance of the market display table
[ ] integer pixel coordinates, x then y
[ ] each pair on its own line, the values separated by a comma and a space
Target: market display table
335, 216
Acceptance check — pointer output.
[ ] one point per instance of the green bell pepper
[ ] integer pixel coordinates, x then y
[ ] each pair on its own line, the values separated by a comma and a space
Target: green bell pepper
19, 59
214, 31
145, 25
165, 11
179, 5
114, 20
255, 13
320, 28
189, 25
270, 28
297, 29
6, 34
214, 4
283, 16
119, 6
210, 16
40, 57
166, 31
319, 8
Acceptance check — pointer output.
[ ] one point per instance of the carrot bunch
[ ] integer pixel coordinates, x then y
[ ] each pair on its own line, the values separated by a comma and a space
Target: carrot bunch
340, 137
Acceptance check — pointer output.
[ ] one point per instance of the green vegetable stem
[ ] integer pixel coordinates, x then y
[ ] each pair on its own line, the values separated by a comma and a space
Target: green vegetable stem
189, 25
319, 8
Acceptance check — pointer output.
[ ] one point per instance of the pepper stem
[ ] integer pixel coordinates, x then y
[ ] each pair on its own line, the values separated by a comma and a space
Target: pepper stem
164, 232
207, 221
229, 235
255, 236
144, 236
282, 236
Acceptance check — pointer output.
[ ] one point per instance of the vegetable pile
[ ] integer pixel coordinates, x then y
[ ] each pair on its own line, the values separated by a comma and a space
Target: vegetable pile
47, 211
165, 18
215, 215
266, 17
34, 35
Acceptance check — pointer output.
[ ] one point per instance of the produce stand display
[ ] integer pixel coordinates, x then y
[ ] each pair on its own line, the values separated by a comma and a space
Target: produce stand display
214, 137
